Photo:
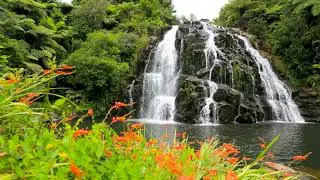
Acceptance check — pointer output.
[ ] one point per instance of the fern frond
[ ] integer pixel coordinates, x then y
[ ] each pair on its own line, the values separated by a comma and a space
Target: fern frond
35, 68
52, 51
53, 44
41, 53
32, 58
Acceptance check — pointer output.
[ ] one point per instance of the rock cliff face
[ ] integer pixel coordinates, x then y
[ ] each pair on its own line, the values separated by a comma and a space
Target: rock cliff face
223, 87
238, 94
308, 101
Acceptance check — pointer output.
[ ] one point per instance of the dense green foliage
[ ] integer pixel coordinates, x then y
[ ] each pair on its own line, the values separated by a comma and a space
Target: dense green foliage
287, 28
31, 33
102, 38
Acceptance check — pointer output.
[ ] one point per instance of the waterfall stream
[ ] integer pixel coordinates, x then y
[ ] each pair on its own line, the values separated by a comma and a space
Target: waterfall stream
223, 80
278, 94
210, 49
160, 80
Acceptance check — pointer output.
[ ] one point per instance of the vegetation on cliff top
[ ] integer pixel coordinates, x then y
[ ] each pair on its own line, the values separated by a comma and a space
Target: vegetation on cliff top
288, 29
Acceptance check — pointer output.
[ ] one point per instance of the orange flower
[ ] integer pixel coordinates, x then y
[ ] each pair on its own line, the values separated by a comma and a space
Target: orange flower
70, 118
66, 67
118, 119
53, 126
75, 170
137, 126
230, 148
80, 132
121, 139
213, 172
128, 137
29, 99
231, 176
152, 142
47, 71
300, 157
119, 105
233, 160
179, 147
12, 80
90, 112
206, 178
262, 143
108, 153
63, 73
185, 178
24, 100
169, 161
33, 95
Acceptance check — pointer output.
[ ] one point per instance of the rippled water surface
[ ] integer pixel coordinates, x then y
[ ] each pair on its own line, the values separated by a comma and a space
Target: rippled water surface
296, 139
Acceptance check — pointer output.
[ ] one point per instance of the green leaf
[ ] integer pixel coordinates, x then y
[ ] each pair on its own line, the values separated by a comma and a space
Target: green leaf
316, 66
316, 10
59, 102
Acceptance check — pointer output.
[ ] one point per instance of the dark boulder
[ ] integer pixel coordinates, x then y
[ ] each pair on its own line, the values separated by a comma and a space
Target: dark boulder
226, 113
190, 100
308, 101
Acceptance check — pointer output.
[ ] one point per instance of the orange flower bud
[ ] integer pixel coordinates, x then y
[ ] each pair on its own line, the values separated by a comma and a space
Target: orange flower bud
47, 71
66, 67
75, 170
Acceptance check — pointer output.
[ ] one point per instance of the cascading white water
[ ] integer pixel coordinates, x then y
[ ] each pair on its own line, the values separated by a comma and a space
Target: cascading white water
160, 80
130, 92
278, 94
205, 111
211, 49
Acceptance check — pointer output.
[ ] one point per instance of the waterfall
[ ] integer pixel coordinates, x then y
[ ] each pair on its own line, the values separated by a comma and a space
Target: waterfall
160, 80
130, 92
210, 49
278, 94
